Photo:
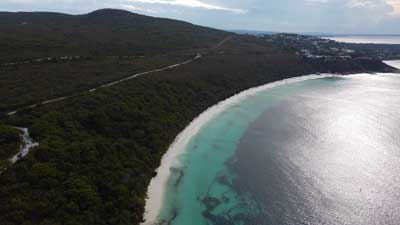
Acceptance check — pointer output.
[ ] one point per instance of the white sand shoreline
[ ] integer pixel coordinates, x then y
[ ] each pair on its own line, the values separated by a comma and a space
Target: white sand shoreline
157, 187
393, 63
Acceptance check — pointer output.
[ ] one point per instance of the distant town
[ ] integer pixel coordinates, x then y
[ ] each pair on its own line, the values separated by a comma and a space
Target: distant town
312, 47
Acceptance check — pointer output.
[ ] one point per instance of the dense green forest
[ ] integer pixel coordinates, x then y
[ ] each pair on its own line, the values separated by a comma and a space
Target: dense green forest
98, 151
9, 144
30, 83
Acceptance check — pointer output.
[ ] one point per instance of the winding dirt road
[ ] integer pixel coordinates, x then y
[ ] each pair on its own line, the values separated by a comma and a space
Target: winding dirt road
54, 100
130, 77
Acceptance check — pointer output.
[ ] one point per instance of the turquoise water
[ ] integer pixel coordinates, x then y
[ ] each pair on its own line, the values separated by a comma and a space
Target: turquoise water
204, 161
224, 176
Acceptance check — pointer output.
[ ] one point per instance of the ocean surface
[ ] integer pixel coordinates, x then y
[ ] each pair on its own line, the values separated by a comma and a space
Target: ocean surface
324, 151
367, 39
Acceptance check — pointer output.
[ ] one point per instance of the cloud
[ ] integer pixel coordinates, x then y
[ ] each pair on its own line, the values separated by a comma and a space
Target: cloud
392, 7
395, 4
138, 9
191, 4
336, 16
134, 5
382, 7
316, 1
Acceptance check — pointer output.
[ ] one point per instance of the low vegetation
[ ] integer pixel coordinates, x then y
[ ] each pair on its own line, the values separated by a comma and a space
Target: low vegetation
31, 83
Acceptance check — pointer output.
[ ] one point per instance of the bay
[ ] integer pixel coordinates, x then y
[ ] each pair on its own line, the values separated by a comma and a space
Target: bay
322, 151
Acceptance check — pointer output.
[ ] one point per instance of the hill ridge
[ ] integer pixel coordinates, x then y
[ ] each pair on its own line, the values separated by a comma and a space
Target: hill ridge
104, 32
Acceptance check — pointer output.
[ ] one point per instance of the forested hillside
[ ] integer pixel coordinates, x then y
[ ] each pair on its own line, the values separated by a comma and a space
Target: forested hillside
48, 55
106, 32
98, 152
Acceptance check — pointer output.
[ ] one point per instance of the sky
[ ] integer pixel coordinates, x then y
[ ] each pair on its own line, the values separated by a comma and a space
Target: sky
323, 16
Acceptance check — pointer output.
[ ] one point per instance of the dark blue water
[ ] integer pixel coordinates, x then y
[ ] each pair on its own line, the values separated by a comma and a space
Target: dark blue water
317, 152
327, 156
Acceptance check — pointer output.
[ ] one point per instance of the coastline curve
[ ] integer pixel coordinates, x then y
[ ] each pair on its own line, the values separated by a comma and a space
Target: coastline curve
157, 187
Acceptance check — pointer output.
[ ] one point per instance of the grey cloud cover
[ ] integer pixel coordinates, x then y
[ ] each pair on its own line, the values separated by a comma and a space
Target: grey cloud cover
333, 16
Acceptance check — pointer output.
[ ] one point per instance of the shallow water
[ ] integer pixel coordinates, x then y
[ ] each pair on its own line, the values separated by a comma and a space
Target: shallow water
323, 151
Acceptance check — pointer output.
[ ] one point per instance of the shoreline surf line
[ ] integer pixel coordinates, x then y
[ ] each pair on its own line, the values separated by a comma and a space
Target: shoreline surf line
157, 188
